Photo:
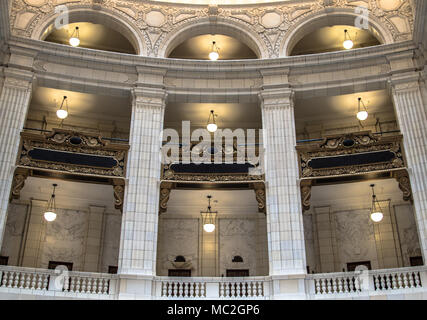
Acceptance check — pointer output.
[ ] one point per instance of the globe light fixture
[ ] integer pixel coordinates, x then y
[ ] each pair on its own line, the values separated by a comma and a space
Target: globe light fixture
62, 112
348, 43
214, 54
376, 211
362, 114
50, 213
208, 217
75, 38
212, 126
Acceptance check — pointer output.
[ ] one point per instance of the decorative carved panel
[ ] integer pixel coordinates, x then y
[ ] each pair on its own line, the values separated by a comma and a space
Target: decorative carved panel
353, 153
73, 152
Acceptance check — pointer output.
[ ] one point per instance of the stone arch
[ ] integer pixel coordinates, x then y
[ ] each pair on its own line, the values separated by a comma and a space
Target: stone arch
338, 16
219, 26
113, 20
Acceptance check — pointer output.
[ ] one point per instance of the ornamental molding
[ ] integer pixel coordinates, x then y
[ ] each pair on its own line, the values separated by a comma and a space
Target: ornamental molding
73, 144
267, 25
386, 154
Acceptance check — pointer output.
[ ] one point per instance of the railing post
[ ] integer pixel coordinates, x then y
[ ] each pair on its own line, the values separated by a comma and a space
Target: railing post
423, 278
212, 290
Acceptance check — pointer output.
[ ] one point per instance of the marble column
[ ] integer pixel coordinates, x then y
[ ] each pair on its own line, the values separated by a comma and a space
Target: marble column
284, 211
14, 102
138, 244
411, 110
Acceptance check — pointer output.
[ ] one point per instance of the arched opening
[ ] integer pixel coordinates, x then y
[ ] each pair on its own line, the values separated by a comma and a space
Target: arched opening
199, 48
92, 36
325, 32
96, 30
329, 39
195, 41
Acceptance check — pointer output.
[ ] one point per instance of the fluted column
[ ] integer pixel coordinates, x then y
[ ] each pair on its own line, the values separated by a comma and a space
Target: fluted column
14, 101
411, 110
284, 216
138, 243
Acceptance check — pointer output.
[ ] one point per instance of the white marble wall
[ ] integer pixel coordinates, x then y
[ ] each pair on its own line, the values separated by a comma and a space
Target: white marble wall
245, 237
65, 239
388, 244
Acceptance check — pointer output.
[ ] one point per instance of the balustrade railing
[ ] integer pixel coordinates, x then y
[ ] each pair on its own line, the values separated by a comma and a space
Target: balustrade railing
211, 288
51, 280
182, 289
395, 279
241, 289
328, 285
368, 282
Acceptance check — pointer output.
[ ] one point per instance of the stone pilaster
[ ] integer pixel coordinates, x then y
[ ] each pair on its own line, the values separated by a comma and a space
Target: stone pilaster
14, 102
284, 213
411, 110
94, 238
138, 244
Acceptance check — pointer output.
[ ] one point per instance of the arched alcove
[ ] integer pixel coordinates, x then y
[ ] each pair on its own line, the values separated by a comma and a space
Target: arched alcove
204, 27
332, 24
100, 30
199, 47
330, 39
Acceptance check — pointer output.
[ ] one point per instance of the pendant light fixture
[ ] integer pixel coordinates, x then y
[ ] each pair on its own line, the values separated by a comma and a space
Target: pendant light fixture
75, 38
50, 213
212, 126
208, 217
376, 211
214, 55
362, 114
62, 112
348, 43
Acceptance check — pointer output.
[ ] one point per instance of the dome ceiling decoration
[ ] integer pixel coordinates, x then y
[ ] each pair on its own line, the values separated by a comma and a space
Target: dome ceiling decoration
267, 26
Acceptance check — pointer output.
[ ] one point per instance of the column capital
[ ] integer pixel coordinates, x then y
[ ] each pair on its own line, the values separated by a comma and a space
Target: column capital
278, 98
405, 82
149, 97
18, 79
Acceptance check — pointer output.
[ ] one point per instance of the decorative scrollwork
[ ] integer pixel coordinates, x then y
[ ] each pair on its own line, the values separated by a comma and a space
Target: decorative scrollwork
119, 193
305, 194
165, 190
260, 196
402, 178
18, 182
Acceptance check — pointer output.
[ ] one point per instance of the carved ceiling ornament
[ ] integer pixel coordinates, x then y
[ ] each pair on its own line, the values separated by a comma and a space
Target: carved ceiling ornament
157, 22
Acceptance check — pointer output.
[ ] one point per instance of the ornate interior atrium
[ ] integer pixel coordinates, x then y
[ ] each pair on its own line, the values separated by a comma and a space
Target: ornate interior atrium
213, 149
